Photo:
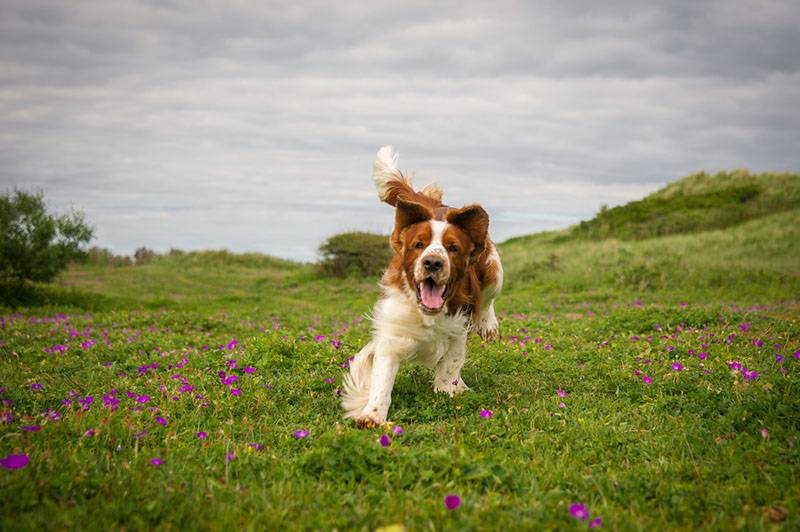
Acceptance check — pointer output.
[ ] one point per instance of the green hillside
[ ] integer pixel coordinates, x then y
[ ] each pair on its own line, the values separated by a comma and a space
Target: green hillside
696, 203
646, 377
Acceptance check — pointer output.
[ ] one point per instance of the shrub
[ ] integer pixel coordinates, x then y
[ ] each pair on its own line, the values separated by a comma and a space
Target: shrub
144, 255
36, 245
106, 257
354, 253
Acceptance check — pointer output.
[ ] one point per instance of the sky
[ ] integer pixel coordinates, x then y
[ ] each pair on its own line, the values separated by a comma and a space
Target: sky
252, 125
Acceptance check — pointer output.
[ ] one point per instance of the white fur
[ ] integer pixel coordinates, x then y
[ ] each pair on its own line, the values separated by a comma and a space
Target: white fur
385, 170
486, 322
401, 333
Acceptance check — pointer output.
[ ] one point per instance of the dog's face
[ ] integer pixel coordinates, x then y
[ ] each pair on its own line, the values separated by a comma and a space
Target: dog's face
436, 251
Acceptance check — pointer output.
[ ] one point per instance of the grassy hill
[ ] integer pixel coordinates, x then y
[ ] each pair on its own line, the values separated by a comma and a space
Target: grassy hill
648, 369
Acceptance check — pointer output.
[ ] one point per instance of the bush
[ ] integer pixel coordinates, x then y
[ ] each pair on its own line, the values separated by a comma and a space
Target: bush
106, 257
355, 254
35, 245
144, 255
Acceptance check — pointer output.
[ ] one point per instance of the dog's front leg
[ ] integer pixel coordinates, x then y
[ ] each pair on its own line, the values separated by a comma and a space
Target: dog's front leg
448, 370
384, 370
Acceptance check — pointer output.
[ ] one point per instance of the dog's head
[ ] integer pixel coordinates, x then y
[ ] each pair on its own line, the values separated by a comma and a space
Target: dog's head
437, 246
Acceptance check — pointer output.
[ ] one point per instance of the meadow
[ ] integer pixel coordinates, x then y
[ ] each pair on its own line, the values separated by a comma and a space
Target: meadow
647, 377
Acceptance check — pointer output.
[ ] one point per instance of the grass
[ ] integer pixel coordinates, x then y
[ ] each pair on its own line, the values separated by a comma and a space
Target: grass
589, 318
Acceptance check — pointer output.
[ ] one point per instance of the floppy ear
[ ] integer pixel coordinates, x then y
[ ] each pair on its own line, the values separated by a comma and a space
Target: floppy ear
475, 222
407, 213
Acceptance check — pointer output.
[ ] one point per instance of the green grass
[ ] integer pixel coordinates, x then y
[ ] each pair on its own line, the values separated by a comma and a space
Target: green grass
684, 452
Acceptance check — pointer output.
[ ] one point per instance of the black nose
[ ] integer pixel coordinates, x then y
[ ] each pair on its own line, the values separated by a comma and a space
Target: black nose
432, 264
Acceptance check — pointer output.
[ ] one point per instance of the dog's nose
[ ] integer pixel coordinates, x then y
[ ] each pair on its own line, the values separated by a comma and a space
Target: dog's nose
432, 264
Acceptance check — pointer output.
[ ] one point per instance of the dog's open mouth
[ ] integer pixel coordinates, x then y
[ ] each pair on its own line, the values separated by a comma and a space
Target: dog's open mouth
430, 296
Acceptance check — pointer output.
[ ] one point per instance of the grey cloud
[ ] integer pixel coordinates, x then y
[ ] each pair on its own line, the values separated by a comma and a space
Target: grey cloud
252, 125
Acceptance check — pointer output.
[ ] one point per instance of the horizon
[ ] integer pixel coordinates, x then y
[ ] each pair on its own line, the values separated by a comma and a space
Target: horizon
252, 127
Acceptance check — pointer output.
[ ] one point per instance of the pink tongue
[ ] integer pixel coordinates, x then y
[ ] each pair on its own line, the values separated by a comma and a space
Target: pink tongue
431, 295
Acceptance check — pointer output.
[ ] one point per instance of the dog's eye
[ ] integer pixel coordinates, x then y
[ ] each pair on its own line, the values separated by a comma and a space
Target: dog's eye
419, 245
452, 248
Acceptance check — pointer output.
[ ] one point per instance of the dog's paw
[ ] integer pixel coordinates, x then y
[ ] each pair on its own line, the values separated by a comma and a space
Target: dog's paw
366, 422
488, 335
451, 388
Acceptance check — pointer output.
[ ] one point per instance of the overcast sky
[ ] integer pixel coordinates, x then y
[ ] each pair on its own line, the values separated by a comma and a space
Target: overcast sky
252, 125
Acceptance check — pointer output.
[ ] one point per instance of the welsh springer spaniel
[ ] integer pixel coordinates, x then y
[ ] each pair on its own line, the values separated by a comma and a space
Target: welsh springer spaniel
441, 283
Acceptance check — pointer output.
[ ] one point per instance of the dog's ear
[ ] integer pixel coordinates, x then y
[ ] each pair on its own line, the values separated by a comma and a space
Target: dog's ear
475, 222
407, 213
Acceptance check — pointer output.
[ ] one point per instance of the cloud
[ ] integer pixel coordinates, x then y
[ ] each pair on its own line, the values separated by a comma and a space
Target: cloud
253, 125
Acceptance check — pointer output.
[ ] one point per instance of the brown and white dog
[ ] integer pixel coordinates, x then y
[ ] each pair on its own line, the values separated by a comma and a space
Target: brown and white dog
441, 283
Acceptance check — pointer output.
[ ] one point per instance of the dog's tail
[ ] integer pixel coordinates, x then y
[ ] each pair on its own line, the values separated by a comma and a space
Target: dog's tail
392, 185
356, 383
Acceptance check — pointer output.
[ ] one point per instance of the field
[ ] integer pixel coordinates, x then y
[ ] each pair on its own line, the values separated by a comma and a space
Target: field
642, 380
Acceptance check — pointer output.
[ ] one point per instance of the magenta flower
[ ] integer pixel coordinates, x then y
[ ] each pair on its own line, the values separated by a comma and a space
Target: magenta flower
385, 440
249, 370
735, 365
561, 393
744, 327
562, 405
256, 446
486, 414
142, 398
236, 391
764, 433
703, 355
677, 366
15, 461
202, 435
329, 380
230, 456
31, 428
596, 522
299, 434
647, 379
398, 430
160, 420
89, 433
578, 511
36, 386
157, 462
452, 501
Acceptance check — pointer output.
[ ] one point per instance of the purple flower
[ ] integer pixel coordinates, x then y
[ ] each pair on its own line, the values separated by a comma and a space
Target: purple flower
578, 511
398, 430
31, 428
486, 414
36, 386
452, 501
157, 461
249, 370
329, 380
142, 398
256, 446
300, 433
230, 456
202, 435
561, 393
236, 391
385, 440
677, 366
764, 433
647, 379
140, 434
562, 405
89, 433
735, 365
15, 461
596, 522
702, 356
744, 327
160, 420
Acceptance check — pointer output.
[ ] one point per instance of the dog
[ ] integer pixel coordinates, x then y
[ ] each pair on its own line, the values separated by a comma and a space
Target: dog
441, 283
